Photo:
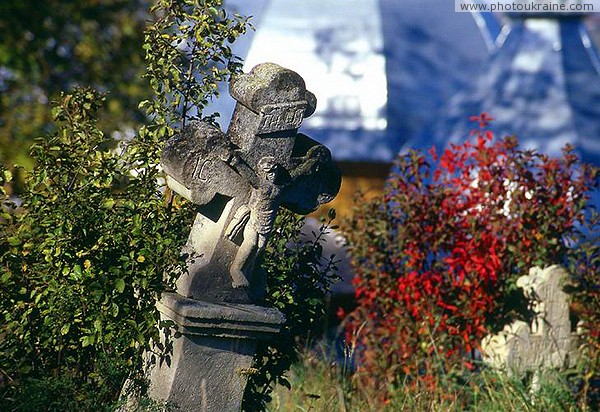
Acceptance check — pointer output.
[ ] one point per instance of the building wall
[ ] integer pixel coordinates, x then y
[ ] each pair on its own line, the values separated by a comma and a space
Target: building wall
366, 177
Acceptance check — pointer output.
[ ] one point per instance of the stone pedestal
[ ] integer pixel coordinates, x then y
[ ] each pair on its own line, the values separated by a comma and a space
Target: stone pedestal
212, 352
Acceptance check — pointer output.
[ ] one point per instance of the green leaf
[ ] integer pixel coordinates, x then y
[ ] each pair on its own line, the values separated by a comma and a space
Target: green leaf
114, 309
120, 285
98, 325
108, 203
77, 272
5, 277
87, 340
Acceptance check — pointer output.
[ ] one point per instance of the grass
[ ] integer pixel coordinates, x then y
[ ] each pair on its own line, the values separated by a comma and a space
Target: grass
320, 383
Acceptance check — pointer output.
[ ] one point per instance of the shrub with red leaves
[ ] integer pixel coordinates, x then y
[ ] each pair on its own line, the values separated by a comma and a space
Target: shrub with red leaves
437, 260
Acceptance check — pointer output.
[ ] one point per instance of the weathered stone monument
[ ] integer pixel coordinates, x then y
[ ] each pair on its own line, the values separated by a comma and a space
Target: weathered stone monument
238, 180
548, 342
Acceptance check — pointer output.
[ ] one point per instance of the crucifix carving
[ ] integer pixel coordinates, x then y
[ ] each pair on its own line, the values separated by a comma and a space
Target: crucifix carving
239, 179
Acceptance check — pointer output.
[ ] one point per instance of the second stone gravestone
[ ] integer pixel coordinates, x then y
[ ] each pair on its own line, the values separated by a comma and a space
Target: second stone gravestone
548, 341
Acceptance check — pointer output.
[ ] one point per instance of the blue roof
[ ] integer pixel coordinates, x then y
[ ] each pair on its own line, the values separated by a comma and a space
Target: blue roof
390, 75
379, 69
542, 84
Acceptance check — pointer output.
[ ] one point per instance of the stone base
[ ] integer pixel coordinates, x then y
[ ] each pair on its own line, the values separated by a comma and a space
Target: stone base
212, 352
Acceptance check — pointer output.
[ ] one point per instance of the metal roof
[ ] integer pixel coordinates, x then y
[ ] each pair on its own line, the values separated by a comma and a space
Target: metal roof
393, 74
542, 84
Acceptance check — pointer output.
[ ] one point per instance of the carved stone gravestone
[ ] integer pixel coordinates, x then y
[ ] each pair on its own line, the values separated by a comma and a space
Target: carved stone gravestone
238, 180
548, 342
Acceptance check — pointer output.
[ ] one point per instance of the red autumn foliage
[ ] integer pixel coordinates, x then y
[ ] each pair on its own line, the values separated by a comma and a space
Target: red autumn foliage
437, 260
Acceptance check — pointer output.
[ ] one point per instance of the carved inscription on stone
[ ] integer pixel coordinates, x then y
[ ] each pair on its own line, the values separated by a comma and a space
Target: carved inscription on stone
283, 116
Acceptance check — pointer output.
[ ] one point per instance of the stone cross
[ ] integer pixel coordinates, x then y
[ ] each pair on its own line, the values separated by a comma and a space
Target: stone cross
548, 342
239, 179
